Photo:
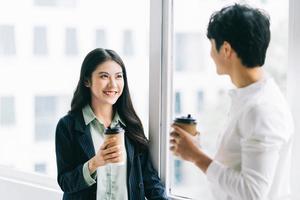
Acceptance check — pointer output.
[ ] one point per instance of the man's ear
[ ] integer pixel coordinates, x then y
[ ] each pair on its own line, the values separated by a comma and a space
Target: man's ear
227, 50
87, 83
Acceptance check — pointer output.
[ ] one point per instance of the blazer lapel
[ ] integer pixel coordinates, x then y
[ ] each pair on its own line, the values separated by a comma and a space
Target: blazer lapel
130, 154
86, 143
129, 151
84, 136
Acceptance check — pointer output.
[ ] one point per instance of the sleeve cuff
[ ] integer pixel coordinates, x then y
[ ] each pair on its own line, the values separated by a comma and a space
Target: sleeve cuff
214, 171
89, 178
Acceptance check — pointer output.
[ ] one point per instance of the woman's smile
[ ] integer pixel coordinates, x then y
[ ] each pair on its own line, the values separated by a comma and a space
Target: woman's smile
110, 93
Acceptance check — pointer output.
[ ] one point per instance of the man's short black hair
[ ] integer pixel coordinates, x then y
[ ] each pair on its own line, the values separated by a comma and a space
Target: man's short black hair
246, 29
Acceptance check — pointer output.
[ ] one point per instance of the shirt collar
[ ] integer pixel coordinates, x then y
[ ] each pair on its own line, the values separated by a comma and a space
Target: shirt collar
89, 116
249, 90
116, 120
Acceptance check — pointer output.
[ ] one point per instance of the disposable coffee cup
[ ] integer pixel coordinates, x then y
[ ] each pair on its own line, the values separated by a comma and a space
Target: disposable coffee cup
187, 123
118, 133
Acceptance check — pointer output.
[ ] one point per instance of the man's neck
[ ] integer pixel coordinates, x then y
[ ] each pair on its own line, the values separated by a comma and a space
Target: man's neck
242, 76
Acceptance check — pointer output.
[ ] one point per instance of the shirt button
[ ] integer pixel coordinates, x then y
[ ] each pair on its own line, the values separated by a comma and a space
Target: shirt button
140, 185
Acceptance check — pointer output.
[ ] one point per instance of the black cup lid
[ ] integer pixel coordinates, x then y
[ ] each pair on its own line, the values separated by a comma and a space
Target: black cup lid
114, 130
186, 120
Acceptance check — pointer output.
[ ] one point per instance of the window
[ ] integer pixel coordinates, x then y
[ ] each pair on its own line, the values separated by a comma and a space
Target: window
178, 103
7, 40
7, 111
71, 48
40, 168
178, 171
48, 109
194, 72
186, 46
45, 121
40, 46
128, 43
44, 2
60, 3
100, 38
200, 101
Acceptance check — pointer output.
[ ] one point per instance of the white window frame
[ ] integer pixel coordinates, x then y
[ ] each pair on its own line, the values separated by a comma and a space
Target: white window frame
160, 94
293, 82
159, 81
160, 85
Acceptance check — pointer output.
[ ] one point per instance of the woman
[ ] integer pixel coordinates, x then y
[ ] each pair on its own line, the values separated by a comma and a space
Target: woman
102, 100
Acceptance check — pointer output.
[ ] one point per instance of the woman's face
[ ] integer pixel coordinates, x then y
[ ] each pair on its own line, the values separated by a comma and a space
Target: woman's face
106, 83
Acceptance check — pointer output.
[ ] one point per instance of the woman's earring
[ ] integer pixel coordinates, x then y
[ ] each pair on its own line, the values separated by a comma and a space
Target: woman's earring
87, 83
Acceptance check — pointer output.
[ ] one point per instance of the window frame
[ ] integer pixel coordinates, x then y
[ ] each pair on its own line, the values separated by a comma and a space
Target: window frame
160, 94
160, 84
293, 81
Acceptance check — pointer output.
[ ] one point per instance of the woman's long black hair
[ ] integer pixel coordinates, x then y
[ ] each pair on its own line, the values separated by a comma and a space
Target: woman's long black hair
124, 107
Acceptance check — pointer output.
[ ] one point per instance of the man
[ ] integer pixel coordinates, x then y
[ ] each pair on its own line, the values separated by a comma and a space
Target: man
254, 154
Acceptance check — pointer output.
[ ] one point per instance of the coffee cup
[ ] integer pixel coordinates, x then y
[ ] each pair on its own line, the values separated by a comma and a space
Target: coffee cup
187, 123
118, 133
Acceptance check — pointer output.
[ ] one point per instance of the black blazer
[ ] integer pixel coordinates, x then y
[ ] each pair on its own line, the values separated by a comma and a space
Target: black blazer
74, 146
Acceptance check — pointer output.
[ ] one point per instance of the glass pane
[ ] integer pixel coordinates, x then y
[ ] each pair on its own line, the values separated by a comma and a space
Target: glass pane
71, 47
7, 111
128, 43
40, 40
7, 40
100, 38
199, 91
62, 3
42, 87
47, 111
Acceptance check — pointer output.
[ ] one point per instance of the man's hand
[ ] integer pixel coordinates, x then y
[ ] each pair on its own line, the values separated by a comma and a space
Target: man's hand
185, 146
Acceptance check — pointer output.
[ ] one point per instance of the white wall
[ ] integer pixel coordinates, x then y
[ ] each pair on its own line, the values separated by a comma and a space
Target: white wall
16, 185
15, 190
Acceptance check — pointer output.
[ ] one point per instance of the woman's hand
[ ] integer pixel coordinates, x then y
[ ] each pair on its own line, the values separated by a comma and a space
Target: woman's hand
109, 152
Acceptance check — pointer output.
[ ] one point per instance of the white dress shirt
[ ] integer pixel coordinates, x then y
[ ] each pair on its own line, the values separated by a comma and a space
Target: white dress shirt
254, 154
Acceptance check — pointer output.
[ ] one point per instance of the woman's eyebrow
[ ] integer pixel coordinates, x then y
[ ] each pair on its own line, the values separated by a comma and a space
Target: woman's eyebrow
102, 72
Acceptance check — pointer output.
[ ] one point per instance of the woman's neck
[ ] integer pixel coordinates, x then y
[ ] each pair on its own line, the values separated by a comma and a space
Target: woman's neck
103, 112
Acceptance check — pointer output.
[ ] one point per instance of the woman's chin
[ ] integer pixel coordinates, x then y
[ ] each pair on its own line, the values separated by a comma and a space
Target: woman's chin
111, 101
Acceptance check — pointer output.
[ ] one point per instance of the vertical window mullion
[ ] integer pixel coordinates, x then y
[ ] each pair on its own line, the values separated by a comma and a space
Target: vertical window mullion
160, 83
293, 81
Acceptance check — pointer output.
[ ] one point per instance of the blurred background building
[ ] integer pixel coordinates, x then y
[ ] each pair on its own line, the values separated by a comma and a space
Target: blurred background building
42, 46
